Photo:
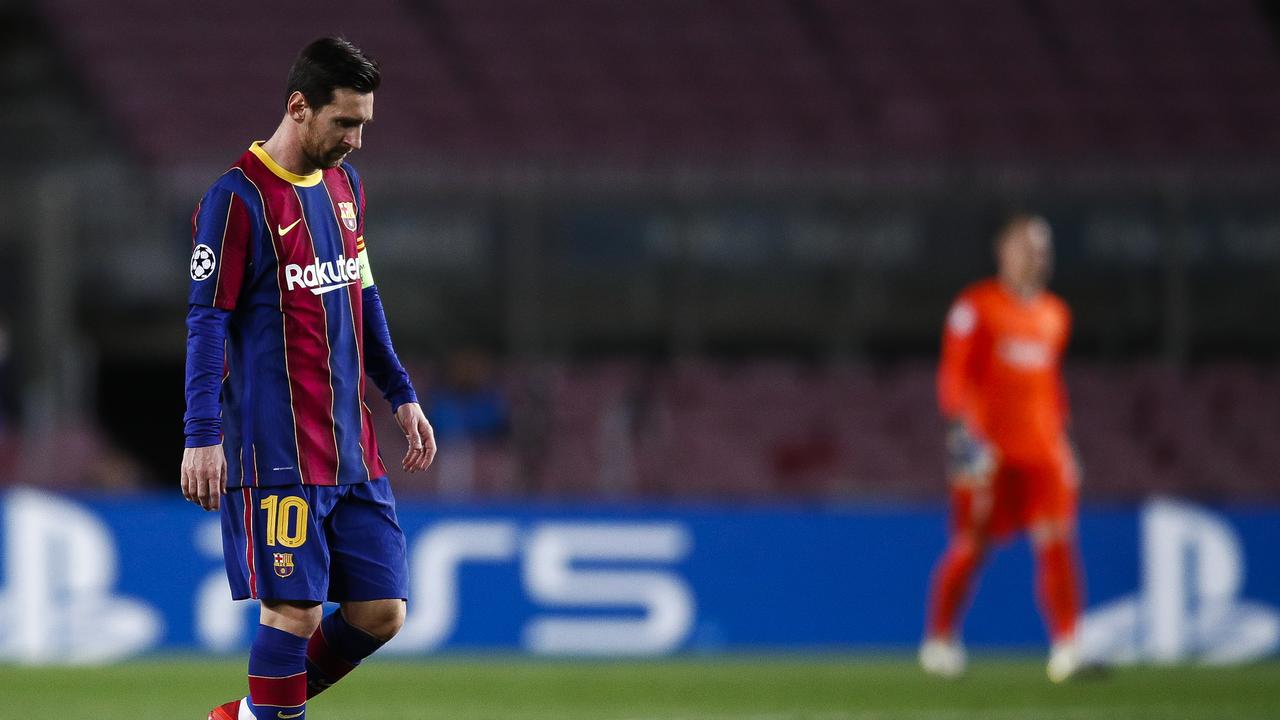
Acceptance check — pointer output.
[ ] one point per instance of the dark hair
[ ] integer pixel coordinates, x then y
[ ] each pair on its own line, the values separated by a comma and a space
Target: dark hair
330, 63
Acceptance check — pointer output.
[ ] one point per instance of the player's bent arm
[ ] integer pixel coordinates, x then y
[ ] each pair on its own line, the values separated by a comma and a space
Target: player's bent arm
956, 367
970, 456
380, 360
387, 372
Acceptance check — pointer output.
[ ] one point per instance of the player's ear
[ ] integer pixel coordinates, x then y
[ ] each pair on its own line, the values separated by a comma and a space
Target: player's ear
296, 107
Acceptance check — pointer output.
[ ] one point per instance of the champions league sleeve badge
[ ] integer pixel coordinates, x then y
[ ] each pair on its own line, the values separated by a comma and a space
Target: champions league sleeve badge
203, 262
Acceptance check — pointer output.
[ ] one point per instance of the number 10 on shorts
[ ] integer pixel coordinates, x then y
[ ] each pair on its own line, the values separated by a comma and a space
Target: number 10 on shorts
286, 520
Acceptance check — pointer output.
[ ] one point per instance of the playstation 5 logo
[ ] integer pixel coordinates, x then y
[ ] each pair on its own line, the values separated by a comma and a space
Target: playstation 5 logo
57, 604
602, 588
1190, 606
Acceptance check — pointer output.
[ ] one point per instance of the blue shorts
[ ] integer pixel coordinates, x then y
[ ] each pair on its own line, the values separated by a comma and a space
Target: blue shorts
314, 543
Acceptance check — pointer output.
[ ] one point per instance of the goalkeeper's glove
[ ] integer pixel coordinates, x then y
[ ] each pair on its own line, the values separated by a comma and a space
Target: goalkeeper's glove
967, 454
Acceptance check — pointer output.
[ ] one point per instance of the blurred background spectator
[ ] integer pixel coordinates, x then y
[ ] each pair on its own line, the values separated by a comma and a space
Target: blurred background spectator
469, 413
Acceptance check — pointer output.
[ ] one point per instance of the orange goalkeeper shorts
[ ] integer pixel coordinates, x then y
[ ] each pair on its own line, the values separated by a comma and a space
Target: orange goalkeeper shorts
1017, 496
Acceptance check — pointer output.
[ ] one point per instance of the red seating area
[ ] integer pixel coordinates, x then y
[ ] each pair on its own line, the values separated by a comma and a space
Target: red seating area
191, 84
1209, 433
762, 430
608, 82
1092, 76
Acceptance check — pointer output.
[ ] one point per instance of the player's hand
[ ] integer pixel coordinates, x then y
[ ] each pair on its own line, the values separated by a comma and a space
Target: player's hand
1074, 470
968, 455
204, 475
420, 436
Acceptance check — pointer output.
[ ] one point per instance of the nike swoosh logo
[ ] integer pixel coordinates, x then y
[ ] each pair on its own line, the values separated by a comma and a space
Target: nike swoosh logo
282, 231
329, 289
282, 716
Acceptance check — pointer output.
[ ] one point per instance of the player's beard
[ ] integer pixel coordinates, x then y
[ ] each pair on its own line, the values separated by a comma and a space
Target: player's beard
326, 159
335, 156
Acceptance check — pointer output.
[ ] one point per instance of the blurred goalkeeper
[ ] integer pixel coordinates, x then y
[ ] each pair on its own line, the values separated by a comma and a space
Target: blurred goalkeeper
1012, 467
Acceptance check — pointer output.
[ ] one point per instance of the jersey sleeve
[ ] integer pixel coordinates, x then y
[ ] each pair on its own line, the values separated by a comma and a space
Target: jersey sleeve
1063, 399
205, 368
955, 371
381, 362
222, 231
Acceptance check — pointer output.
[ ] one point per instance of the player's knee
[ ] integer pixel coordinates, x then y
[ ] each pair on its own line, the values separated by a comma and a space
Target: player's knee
1049, 532
300, 619
391, 616
381, 619
970, 544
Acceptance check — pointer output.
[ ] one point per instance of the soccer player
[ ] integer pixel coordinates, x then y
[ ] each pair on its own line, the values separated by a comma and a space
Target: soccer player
284, 322
1012, 467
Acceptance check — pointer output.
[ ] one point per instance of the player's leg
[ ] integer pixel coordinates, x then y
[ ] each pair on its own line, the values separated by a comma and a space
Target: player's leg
275, 551
972, 502
952, 581
1058, 586
1058, 577
278, 660
369, 577
348, 635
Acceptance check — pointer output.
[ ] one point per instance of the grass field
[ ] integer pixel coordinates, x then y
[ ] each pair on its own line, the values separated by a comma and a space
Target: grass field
822, 688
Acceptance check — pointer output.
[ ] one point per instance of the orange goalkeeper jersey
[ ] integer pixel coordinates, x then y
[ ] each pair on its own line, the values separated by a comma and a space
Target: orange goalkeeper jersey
1001, 369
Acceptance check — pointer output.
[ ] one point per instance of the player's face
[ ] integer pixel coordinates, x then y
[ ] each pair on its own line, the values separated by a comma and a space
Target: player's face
1026, 254
332, 132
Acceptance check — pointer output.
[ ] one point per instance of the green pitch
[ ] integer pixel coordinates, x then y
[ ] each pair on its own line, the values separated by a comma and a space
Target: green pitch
820, 688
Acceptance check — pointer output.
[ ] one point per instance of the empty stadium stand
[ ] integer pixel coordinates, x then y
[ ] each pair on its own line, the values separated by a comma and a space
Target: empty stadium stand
728, 83
762, 431
712, 82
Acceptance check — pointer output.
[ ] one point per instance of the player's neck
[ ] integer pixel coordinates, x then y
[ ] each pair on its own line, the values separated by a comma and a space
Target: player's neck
1025, 292
284, 148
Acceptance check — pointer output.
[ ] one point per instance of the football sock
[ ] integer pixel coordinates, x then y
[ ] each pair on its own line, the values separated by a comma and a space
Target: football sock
951, 581
1058, 585
278, 675
335, 649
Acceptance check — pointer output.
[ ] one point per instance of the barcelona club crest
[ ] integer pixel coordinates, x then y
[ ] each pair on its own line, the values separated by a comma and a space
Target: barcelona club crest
347, 211
284, 564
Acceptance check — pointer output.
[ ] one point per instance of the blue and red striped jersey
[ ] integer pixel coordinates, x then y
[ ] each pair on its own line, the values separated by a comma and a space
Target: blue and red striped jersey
281, 259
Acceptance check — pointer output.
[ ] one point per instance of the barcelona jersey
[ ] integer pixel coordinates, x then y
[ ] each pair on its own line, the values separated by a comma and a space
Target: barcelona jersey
284, 255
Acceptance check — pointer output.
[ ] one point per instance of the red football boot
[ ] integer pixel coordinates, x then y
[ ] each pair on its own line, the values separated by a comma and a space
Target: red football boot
226, 711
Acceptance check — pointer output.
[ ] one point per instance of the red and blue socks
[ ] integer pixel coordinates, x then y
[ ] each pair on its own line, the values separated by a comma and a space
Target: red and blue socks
278, 675
335, 649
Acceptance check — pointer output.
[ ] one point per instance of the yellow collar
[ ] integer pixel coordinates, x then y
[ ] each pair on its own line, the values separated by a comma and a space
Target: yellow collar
301, 180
